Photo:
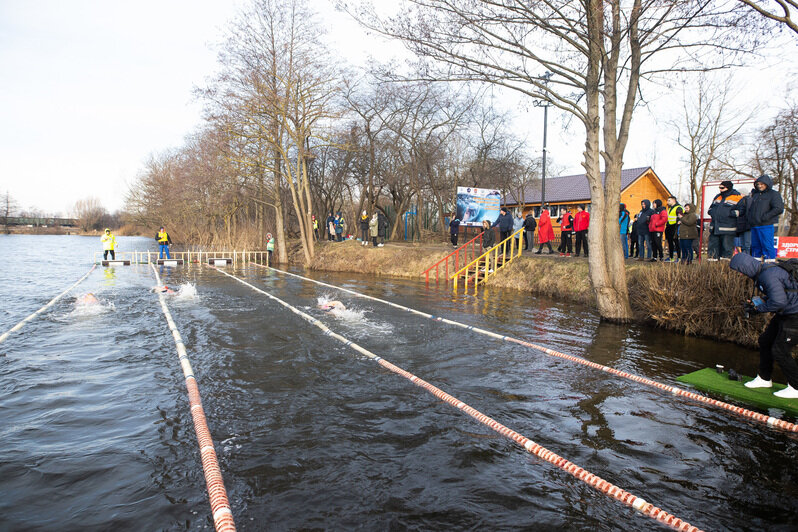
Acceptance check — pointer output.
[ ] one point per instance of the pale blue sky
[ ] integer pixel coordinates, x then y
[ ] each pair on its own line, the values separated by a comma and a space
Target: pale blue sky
89, 89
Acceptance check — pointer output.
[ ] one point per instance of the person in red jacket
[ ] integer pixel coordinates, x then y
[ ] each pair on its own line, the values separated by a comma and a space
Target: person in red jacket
656, 226
545, 231
581, 223
566, 222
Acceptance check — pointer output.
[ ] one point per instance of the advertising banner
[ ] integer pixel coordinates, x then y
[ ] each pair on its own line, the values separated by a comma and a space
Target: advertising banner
477, 204
787, 247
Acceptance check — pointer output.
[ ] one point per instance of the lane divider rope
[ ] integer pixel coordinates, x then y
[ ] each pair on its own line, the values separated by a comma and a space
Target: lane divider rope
19, 325
768, 421
595, 482
220, 506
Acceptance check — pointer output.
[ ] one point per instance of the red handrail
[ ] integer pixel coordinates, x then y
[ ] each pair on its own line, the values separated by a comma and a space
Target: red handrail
456, 254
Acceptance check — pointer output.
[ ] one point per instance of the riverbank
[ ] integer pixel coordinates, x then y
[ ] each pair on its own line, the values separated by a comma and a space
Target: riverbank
699, 300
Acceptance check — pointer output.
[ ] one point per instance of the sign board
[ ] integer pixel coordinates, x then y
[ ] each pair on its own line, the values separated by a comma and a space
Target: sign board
477, 204
710, 190
787, 247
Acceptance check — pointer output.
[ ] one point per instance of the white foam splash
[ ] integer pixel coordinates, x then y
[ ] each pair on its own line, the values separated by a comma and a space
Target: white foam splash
187, 292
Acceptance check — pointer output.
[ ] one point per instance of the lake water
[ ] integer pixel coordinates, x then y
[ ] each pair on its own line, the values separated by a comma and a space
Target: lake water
96, 432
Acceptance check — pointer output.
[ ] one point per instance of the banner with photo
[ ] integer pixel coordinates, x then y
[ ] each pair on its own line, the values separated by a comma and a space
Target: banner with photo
477, 204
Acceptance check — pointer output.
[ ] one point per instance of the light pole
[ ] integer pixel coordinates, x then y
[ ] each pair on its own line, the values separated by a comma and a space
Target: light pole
545, 105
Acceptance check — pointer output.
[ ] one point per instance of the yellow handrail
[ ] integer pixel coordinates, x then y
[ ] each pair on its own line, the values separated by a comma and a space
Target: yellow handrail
490, 257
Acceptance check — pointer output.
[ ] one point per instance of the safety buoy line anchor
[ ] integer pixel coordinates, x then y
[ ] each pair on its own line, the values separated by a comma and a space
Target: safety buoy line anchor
217, 494
556, 460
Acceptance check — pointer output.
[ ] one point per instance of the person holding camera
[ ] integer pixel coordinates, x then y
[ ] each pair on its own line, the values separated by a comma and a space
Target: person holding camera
780, 296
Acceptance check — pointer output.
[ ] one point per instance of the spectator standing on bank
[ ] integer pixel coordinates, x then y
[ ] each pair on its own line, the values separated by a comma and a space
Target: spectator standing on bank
742, 237
374, 229
364, 228
672, 228
269, 248
688, 231
518, 223
382, 228
656, 226
454, 230
723, 226
315, 227
545, 231
641, 226
581, 223
634, 249
340, 227
763, 213
530, 224
623, 226
505, 223
566, 222
331, 227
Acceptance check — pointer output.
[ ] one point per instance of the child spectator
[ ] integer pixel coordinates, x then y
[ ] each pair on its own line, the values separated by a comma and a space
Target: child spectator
688, 231
634, 247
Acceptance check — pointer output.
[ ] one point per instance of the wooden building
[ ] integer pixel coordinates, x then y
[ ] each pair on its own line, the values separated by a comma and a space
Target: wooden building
567, 192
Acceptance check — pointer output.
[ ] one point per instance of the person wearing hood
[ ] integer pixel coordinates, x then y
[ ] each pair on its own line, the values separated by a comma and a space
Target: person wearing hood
780, 296
623, 225
763, 213
382, 228
545, 231
530, 224
340, 227
454, 230
656, 226
672, 228
364, 228
331, 227
688, 231
641, 226
634, 249
505, 223
518, 223
723, 212
374, 229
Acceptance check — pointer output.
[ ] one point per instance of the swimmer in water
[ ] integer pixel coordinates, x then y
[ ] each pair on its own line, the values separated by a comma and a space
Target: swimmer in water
332, 306
87, 299
163, 290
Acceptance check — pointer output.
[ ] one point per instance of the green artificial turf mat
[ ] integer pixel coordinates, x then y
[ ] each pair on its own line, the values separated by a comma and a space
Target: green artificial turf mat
708, 379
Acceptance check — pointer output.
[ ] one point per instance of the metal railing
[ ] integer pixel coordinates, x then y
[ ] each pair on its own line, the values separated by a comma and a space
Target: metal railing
454, 257
149, 257
488, 263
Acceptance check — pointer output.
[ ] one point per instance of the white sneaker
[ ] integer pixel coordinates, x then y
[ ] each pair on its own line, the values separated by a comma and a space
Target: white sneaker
380, 245
787, 393
759, 382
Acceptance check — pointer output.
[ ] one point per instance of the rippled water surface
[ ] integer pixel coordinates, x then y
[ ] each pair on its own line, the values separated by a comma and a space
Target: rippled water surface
97, 434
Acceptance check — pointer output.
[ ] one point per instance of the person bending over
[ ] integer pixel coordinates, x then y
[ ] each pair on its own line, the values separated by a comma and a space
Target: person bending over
781, 335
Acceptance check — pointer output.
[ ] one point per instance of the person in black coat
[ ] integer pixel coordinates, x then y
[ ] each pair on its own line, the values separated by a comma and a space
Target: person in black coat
641, 228
505, 223
780, 292
530, 224
454, 230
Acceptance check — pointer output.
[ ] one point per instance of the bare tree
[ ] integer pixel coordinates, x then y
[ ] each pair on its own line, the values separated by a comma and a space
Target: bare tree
780, 11
777, 155
89, 213
8, 207
707, 132
597, 53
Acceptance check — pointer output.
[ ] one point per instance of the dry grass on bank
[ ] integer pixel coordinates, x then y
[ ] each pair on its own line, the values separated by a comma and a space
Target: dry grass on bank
702, 299
401, 260
557, 278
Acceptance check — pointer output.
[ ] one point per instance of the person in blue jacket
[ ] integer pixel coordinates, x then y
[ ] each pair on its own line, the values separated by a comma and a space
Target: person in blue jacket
505, 223
763, 212
780, 292
623, 222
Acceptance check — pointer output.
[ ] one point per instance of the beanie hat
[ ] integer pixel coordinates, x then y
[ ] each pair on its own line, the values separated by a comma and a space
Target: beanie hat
728, 184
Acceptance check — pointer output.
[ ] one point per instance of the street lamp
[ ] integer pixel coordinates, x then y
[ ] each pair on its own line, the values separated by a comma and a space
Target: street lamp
545, 105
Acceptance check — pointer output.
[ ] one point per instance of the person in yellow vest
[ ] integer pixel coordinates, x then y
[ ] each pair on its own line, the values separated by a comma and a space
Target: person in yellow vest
163, 241
109, 244
315, 227
269, 248
672, 229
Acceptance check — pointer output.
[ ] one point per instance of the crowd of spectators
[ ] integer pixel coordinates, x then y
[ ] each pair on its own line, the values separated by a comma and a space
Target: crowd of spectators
738, 223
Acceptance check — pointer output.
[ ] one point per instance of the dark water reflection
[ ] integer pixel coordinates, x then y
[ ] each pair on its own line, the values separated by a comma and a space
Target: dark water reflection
310, 435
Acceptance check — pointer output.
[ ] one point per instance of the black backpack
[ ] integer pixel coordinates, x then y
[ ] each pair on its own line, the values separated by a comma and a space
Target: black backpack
791, 267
